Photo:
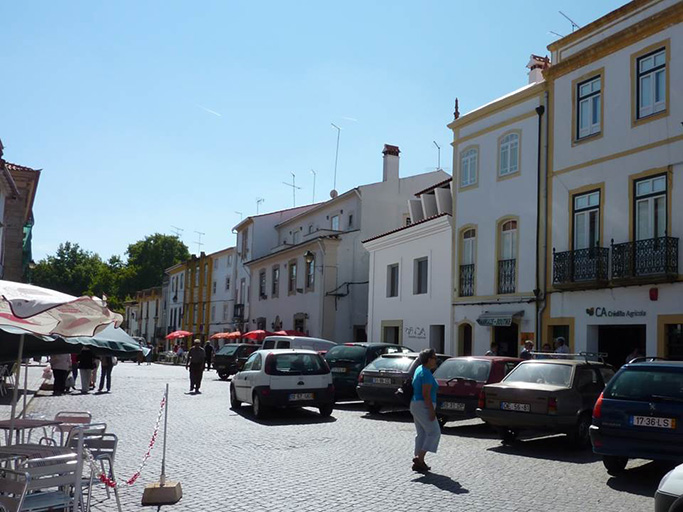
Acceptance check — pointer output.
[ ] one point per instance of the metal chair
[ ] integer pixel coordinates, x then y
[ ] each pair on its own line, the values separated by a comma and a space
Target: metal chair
103, 450
69, 420
54, 483
13, 486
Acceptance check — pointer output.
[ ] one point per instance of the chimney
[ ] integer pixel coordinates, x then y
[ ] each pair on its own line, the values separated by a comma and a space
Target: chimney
390, 167
536, 66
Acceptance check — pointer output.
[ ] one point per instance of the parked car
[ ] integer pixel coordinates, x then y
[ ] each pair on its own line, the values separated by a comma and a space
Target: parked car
554, 395
461, 379
346, 362
230, 358
669, 495
304, 342
640, 415
380, 384
283, 378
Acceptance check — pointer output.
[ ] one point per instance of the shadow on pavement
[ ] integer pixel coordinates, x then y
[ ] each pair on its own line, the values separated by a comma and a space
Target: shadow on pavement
399, 415
477, 430
285, 417
642, 480
349, 406
443, 482
557, 448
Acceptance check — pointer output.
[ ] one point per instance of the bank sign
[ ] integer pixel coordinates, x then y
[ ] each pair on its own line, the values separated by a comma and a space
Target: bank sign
601, 312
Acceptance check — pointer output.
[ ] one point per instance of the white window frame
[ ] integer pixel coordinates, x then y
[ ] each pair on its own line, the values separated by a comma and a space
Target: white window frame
589, 95
508, 240
391, 282
334, 222
469, 161
586, 210
508, 144
469, 245
417, 289
655, 192
655, 74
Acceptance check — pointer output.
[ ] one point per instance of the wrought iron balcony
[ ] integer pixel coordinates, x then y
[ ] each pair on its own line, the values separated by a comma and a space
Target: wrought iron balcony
645, 260
506, 275
581, 268
466, 281
238, 311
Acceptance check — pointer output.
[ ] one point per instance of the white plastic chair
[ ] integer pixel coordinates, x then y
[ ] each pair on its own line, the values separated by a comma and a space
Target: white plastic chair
13, 486
69, 420
103, 450
54, 483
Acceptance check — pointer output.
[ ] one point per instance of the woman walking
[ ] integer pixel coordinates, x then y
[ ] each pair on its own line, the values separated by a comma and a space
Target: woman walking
423, 409
86, 363
107, 366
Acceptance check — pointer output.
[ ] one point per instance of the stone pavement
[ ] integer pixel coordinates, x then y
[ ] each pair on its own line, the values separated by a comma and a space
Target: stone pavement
34, 381
297, 461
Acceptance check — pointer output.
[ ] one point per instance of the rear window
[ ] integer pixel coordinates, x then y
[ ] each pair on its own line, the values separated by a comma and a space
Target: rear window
541, 373
396, 364
646, 384
346, 353
268, 344
464, 369
297, 364
398, 349
227, 350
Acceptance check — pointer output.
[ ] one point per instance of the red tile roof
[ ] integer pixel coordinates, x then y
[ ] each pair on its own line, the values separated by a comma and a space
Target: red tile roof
402, 228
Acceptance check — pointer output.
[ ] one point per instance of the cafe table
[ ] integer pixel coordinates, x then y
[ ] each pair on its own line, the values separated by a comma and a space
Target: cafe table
25, 424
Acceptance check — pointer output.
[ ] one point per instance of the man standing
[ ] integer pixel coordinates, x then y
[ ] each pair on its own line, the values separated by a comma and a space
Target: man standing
561, 346
208, 350
61, 364
493, 351
527, 351
195, 362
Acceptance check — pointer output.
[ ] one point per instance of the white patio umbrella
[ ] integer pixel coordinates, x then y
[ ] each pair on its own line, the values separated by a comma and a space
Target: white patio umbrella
48, 312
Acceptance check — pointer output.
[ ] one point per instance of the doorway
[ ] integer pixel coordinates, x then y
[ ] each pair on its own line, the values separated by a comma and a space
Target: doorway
390, 334
465, 340
618, 341
359, 334
506, 338
437, 338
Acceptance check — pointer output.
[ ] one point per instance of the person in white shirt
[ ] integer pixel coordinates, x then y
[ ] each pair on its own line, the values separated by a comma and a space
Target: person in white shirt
561, 346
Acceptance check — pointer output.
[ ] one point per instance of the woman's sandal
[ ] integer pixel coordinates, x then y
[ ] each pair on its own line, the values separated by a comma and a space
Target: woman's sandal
420, 466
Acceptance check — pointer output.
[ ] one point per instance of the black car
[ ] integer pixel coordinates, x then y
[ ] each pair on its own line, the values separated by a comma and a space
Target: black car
346, 362
231, 358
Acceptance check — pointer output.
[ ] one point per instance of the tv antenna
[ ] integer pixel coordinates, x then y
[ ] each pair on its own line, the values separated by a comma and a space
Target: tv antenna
259, 200
336, 156
555, 33
438, 160
314, 175
178, 232
294, 187
240, 214
199, 242
574, 24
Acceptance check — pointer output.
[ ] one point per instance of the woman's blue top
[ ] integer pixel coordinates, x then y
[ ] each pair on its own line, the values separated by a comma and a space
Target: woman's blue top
421, 377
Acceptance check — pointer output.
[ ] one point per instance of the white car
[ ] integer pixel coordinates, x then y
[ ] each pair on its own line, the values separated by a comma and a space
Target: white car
283, 378
669, 495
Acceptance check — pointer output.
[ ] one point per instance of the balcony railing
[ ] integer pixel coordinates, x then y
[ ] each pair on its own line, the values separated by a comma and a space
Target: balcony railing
581, 267
506, 275
238, 311
650, 258
466, 281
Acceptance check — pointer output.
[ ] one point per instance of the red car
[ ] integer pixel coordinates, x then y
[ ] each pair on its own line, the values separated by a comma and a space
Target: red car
461, 379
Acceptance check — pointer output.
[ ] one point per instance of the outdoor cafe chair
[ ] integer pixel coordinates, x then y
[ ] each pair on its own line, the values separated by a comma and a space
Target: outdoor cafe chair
54, 483
68, 420
103, 450
13, 486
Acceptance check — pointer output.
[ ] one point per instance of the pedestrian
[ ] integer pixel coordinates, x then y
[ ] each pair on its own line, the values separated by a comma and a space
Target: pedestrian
93, 377
527, 351
86, 363
635, 353
546, 350
423, 409
561, 346
493, 351
208, 349
195, 362
74, 367
108, 363
61, 365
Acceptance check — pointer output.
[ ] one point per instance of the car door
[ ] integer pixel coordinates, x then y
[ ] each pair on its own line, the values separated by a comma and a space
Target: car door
589, 385
243, 380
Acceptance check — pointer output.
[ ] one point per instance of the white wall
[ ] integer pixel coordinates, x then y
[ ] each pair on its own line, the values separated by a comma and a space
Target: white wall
222, 299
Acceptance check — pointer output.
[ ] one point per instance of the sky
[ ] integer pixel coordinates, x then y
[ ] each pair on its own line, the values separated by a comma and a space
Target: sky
150, 116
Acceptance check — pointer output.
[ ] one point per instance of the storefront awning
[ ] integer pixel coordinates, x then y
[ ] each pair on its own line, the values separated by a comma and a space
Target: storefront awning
498, 318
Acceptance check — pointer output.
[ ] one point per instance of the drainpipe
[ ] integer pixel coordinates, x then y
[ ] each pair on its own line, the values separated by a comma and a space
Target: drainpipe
541, 209
322, 290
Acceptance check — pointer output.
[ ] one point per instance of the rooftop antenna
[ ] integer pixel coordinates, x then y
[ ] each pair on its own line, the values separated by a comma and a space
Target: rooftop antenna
259, 200
178, 232
555, 33
294, 187
240, 214
314, 175
336, 158
199, 241
574, 24
438, 165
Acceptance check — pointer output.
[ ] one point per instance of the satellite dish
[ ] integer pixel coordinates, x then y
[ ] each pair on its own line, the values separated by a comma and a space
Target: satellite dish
333, 193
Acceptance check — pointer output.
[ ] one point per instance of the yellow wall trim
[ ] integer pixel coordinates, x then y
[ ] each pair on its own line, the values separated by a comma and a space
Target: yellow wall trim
662, 322
498, 126
635, 121
668, 171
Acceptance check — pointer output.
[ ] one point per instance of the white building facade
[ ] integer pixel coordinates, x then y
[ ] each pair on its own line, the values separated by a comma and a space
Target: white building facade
223, 277
616, 184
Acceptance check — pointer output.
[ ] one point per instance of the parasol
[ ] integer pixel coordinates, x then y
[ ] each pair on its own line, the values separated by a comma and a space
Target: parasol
178, 334
257, 335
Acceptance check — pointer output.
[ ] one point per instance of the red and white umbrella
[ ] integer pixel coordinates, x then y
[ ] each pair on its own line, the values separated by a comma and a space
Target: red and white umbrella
178, 334
257, 335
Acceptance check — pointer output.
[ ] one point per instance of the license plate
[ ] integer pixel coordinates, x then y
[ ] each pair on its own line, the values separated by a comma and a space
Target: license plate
651, 421
300, 396
453, 406
337, 369
381, 380
512, 406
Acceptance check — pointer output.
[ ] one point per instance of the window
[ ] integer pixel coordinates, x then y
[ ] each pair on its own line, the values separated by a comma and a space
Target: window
241, 299
586, 220
174, 284
467, 260
295, 238
196, 276
651, 83
310, 229
310, 274
420, 275
213, 287
226, 311
215, 264
335, 223
276, 281
508, 161
650, 207
508, 240
350, 220
262, 284
588, 107
229, 260
291, 285
213, 313
182, 280
468, 167
392, 280
227, 284
469, 239
194, 314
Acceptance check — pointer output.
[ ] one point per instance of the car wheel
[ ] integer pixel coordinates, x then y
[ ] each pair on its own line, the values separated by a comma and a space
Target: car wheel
234, 403
508, 436
223, 376
259, 410
326, 410
373, 408
581, 437
614, 465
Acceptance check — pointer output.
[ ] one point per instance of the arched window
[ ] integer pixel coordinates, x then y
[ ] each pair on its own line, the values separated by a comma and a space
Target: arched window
507, 257
508, 240
468, 167
508, 161
469, 238
467, 263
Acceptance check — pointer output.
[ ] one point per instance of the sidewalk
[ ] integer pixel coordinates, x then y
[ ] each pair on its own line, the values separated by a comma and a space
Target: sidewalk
35, 380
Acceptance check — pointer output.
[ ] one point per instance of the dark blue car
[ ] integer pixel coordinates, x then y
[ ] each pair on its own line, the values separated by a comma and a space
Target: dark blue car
640, 415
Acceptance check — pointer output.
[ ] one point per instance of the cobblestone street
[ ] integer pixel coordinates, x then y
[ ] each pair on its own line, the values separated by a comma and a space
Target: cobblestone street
350, 462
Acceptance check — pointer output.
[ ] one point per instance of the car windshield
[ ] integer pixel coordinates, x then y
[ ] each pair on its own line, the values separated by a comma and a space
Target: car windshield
352, 354
541, 373
464, 369
298, 364
395, 364
646, 384
227, 350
